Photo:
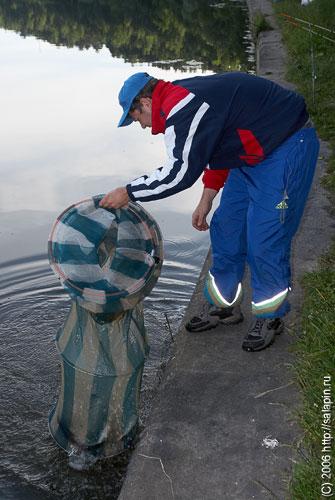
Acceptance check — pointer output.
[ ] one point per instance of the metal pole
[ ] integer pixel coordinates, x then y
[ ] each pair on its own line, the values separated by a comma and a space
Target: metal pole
312, 56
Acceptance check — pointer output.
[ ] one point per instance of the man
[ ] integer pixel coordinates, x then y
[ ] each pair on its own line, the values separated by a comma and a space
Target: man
260, 133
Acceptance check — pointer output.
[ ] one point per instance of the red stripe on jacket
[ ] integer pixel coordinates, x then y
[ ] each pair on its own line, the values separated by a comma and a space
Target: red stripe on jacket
251, 146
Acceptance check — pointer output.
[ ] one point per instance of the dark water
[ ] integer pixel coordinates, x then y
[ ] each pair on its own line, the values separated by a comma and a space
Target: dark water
62, 64
32, 309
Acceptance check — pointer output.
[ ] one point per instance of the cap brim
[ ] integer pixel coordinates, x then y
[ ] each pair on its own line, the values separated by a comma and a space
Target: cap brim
125, 120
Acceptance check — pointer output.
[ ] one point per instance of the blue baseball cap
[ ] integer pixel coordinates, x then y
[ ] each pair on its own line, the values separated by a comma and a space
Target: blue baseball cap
129, 91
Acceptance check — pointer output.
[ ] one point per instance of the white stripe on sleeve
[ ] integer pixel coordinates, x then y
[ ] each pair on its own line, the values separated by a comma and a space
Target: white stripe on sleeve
161, 174
180, 105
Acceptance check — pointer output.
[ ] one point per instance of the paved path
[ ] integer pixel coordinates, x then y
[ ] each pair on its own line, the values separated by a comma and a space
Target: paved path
219, 409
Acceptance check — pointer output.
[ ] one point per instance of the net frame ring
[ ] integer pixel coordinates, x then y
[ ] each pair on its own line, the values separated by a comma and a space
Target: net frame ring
107, 260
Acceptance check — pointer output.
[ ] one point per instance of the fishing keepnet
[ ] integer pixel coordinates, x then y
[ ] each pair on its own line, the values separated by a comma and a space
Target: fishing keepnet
102, 365
108, 261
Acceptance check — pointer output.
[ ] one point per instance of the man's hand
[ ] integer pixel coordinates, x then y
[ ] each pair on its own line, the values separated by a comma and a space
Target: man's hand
115, 199
199, 221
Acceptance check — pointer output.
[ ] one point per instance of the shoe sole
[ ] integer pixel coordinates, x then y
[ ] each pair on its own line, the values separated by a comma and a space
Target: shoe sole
202, 328
225, 321
265, 345
232, 320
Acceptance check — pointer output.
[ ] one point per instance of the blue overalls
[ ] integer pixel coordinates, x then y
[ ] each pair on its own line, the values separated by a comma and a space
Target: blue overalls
259, 213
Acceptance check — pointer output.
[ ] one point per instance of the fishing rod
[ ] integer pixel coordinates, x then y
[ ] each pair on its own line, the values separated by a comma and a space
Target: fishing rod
307, 22
309, 29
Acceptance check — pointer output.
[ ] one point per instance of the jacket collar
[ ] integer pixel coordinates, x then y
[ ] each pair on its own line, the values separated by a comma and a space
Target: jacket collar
159, 113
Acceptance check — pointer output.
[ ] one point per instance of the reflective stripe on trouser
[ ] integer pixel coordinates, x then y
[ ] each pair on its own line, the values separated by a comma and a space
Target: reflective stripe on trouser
259, 213
214, 296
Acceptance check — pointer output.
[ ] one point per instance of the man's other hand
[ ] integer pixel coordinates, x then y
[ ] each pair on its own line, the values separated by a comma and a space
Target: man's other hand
199, 221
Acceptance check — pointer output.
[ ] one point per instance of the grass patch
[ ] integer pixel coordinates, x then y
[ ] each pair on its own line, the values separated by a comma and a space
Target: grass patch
315, 359
321, 105
260, 23
315, 347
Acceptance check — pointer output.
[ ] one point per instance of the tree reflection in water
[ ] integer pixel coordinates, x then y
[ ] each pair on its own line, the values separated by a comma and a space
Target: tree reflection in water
182, 34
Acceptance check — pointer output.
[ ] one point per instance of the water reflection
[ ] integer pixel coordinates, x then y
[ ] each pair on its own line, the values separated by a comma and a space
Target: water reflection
185, 34
60, 144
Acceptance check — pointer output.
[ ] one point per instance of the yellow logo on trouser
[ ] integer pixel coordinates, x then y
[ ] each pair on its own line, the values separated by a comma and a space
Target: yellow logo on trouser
282, 205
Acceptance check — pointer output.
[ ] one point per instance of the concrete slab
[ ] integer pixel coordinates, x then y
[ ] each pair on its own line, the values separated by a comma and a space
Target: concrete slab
221, 426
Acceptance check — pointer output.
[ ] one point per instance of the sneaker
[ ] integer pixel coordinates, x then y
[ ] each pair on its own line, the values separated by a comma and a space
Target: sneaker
261, 333
210, 316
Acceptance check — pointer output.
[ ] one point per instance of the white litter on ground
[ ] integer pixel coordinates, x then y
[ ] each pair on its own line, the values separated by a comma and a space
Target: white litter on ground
270, 443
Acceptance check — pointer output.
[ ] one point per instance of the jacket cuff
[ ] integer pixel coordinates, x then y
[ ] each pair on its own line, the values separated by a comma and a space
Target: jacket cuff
214, 179
130, 194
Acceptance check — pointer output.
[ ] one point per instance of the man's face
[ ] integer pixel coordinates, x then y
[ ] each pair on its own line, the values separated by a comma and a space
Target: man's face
144, 117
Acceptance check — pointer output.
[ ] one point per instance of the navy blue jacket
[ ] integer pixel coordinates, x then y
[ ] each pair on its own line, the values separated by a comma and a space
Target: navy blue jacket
221, 121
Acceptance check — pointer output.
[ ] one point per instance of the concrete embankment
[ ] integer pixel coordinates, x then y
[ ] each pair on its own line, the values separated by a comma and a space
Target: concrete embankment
221, 425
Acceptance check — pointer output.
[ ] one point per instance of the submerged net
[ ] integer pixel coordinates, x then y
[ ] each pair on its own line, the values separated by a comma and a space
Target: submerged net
102, 364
